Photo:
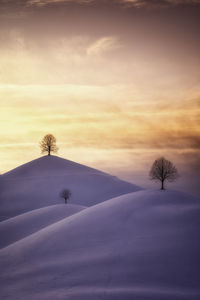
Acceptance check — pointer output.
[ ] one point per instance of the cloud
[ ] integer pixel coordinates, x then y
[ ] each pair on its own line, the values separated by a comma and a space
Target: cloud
85, 109
103, 44
62, 59
46, 2
158, 3
129, 3
134, 3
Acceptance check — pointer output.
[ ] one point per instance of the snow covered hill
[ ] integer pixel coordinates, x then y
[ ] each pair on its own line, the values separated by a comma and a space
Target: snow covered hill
39, 182
144, 246
18, 227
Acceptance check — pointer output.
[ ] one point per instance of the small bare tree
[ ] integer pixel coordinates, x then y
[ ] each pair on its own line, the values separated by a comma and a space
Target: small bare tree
48, 144
163, 170
65, 194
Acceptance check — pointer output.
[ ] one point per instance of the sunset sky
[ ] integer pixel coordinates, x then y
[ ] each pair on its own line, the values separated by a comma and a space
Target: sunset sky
115, 81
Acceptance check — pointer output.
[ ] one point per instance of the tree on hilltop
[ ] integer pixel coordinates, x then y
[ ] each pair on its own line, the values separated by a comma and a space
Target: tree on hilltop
65, 194
48, 144
163, 170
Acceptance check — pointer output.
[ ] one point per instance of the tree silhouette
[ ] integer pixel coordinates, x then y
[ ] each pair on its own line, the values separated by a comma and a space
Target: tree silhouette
163, 170
48, 144
65, 194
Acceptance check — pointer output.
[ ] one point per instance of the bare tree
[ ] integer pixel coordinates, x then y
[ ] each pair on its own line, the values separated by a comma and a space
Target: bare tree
48, 144
163, 170
65, 194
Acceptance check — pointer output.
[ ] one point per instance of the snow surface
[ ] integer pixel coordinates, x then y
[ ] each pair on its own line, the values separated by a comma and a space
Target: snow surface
143, 246
39, 182
18, 227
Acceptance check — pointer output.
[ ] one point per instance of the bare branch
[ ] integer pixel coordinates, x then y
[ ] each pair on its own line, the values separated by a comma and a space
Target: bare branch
65, 194
48, 144
163, 170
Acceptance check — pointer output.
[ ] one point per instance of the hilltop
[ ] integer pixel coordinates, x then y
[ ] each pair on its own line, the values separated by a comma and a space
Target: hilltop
38, 184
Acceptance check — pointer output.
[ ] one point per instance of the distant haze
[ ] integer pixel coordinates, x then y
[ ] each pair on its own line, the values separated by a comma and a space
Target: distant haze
116, 82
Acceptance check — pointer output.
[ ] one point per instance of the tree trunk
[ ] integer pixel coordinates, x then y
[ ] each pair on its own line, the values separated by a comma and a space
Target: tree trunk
65, 200
49, 150
162, 185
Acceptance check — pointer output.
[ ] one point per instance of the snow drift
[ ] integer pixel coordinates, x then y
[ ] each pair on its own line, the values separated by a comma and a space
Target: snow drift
39, 182
18, 227
143, 246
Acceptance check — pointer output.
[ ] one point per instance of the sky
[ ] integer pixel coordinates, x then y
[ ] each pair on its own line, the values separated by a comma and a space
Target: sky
115, 81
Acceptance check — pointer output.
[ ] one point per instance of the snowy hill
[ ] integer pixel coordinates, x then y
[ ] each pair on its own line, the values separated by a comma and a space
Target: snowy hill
144, 245
39, 182
18, 227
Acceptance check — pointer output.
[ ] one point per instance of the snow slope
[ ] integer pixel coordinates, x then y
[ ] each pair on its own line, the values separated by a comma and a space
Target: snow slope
18, 227
142, 246
39, 182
